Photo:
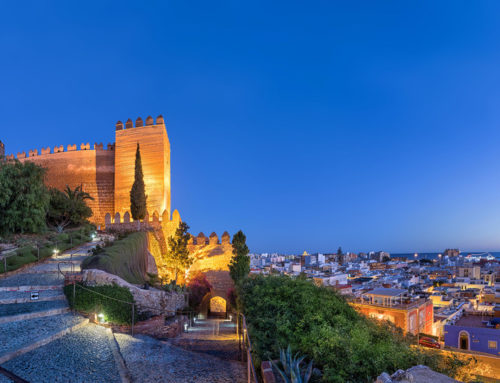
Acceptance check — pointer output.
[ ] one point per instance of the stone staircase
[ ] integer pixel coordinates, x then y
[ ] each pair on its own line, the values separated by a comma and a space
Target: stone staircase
42, 341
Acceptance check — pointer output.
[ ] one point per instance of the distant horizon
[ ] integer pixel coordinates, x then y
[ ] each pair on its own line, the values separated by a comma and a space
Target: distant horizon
366, 252
372, 125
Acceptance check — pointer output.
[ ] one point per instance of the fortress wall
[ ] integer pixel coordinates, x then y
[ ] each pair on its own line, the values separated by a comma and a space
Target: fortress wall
93, 169
155, 156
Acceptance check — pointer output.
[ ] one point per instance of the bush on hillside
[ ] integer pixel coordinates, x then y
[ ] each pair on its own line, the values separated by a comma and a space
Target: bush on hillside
317, 322
125, 258
88, 302
198, 287
29, 252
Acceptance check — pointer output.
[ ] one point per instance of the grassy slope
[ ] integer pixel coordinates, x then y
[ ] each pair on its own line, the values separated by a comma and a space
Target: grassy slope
125, 258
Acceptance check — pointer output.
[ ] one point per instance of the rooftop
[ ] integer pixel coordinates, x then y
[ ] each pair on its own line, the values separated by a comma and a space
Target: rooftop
474, 321
386, 292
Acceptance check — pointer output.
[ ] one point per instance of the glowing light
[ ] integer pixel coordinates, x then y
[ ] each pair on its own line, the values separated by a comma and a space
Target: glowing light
56, 251
185, 327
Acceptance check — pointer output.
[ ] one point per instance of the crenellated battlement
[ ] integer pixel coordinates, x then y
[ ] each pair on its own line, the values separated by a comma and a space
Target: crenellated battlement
201, 240
60, 149
139, 123
106, 171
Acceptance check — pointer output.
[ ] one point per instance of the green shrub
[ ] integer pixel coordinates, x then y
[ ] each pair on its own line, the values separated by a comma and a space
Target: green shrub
87, 301
25, 251
46, 251
62, 237
16, 261
319, 323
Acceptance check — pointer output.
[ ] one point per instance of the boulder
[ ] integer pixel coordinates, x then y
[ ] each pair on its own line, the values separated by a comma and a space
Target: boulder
151, 301
416, 374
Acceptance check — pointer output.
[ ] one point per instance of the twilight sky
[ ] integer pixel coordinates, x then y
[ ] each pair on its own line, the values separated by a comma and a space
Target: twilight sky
309, 125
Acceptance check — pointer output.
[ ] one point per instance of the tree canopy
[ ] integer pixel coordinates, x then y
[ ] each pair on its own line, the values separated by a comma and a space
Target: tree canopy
138, 195
24, 198
318, 322
68, 207
177, 256
239, 267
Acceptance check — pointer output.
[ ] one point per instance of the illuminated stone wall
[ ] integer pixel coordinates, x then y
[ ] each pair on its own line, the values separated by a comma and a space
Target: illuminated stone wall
91, 168
155, 156
108, 174
212, 258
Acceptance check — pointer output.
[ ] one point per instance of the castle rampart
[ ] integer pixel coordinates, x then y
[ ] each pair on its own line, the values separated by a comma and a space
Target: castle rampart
108, 174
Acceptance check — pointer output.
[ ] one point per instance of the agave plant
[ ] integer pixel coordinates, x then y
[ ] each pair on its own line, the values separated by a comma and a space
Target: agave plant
291, 367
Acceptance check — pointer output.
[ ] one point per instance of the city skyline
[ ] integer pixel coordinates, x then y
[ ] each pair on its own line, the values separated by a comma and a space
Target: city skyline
371, 127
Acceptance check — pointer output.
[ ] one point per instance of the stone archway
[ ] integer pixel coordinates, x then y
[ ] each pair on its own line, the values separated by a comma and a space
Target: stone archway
218, 306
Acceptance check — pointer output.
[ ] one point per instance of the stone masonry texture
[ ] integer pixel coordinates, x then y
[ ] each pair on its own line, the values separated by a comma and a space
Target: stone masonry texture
107, 173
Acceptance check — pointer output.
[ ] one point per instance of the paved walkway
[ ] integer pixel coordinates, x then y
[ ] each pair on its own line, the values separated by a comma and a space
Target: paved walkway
216, 337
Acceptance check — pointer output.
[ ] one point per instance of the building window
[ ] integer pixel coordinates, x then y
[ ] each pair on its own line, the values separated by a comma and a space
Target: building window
492, 344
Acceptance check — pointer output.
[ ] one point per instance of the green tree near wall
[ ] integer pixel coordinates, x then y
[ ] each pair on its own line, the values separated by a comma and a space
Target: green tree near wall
68, 208
24, 198
177, 256
138, 195
239, 267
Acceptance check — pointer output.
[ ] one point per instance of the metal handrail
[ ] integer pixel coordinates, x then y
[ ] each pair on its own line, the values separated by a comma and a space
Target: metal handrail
247, 343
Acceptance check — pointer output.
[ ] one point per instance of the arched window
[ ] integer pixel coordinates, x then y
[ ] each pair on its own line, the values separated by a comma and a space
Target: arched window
463, 340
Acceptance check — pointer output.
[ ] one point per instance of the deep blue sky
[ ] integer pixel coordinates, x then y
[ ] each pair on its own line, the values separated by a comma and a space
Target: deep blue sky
309, 125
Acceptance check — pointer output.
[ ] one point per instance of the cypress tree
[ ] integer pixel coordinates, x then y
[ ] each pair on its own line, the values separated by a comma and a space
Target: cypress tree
239, 267
138, 192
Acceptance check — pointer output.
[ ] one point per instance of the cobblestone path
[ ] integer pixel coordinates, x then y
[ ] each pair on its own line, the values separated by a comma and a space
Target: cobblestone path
151, 361
216, 337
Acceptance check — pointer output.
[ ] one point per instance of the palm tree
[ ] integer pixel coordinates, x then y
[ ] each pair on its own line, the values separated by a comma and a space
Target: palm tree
77, 194
68, 207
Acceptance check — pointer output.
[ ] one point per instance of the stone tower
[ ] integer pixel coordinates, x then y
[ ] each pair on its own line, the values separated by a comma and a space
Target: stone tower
155, 154
2, 149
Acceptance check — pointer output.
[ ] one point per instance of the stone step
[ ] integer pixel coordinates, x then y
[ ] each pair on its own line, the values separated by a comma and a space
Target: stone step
8, 289
19, 337
150, 360
25, 296
20, 311
4, 379
29, 279
81, 356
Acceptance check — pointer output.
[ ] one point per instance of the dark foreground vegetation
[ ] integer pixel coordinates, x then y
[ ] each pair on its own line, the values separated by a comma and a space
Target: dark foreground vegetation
317, 322
28, 206
89, 300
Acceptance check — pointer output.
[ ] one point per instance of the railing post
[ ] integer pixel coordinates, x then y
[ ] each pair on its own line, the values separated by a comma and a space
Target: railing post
38, 252
74, 296
133, 315
4, 263
248, 366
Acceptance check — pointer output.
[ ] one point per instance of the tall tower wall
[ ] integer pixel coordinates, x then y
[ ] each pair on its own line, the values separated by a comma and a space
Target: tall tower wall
155, 156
